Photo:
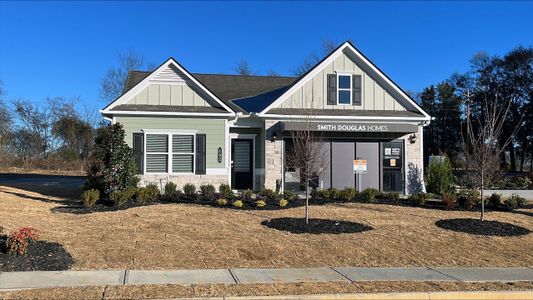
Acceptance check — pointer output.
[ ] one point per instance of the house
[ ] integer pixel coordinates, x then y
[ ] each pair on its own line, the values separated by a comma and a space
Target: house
211, 128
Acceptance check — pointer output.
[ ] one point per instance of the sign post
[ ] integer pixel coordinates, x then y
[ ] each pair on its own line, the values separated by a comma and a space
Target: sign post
359, 168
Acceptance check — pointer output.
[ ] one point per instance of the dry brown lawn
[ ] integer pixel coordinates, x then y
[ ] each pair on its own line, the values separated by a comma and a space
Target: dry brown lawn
192, 236
219, 290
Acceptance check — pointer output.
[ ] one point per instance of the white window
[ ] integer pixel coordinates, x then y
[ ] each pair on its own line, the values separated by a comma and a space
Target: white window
344, 89
169, 153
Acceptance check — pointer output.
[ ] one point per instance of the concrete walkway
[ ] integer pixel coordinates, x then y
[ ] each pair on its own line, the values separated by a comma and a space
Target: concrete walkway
39, 279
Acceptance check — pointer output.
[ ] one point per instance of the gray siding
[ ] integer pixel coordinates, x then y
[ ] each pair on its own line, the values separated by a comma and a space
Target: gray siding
213, 128
313, 93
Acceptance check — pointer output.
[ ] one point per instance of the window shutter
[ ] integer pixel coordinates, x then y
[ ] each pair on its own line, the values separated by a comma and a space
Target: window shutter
138, 151
356, 90
200, 154
332, 89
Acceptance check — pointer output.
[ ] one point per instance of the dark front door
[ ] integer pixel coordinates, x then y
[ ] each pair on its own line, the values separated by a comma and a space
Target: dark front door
242, 164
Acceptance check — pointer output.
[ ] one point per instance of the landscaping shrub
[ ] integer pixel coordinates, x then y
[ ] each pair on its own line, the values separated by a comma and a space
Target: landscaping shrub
283, 202
495, 200
19, 241
152, 192
121, 198
468, 198
221, 202
260, 203
247, 195
439, 178
418, 199
391, 196
208, 192
333, 194
515, 201
226, 191
90, 197
141, 195
268, 195
514, 183
189, 191
369, 195
237, 203
170, 189
288, 195
320, 194
348, 194
112, 165
448, 199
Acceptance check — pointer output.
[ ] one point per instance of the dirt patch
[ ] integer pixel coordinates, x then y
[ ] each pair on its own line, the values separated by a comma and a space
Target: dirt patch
315, 226
41, 256
221, 290
191, 236
478, 227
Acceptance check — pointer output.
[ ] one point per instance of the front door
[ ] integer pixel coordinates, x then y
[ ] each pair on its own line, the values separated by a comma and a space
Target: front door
242, 164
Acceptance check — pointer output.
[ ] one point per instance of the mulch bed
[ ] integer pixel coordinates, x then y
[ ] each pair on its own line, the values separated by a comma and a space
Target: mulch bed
315, 226
41, 256
478, 227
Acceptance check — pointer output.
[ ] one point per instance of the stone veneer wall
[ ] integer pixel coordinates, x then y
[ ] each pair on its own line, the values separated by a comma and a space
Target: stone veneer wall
414, 167
272, 155
181, 180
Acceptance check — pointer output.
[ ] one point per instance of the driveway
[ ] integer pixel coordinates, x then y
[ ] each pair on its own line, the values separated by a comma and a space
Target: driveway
50, 185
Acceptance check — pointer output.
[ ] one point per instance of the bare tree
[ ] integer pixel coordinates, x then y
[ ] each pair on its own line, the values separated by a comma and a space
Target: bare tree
312, 59
243, 68
272, 73
112, 85
307, 155
483, 144
5, 120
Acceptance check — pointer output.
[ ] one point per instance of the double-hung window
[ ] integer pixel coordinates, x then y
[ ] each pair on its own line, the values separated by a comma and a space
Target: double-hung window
169, 153
344, 89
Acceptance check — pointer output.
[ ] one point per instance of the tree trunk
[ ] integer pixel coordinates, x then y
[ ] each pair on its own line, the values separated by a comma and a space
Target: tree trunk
523, 155
481, 194
307, 203
512, 157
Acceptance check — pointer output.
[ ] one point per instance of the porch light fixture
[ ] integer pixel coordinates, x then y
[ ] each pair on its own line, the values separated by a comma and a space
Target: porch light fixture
274, 137
412, 138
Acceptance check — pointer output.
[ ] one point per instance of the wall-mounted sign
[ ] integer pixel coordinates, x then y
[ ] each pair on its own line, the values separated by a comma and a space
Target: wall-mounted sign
347, 127
359, 166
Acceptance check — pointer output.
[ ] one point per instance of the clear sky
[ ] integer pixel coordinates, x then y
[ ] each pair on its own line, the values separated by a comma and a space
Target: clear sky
65, 48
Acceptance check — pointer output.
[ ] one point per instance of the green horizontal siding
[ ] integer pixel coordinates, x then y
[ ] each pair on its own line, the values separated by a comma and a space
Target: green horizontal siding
213, 128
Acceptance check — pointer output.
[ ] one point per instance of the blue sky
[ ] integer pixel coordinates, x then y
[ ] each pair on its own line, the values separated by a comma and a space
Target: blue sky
64, 48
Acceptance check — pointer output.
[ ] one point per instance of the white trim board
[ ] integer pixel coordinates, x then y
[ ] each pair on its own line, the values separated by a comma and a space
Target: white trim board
166, 113
144, 83
318, 68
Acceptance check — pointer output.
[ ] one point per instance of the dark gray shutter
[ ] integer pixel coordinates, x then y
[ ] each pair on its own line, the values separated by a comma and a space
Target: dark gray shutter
356, 89
332, 89
200, 153
138, 151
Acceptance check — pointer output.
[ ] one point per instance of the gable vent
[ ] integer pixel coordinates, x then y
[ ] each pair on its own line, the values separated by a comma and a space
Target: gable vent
170, 74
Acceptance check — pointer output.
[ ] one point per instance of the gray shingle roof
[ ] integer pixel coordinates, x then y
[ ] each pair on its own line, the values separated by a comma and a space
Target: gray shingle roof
230, 87
345, 112
167, 108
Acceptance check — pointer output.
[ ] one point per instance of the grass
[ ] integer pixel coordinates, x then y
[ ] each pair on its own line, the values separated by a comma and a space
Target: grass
218, 290
192, 236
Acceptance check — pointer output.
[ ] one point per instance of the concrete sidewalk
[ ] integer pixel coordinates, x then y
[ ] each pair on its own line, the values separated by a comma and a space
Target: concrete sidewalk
26, 280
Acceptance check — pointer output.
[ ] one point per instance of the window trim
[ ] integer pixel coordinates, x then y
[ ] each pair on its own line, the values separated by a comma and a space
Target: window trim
344, 89
170, 152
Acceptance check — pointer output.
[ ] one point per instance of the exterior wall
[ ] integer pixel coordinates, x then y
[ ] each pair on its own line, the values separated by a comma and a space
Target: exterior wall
313, 93
273, 154
414, 164
215, 134
169, 94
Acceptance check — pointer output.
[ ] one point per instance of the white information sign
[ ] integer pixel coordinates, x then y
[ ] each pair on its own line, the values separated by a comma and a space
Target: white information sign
359, 166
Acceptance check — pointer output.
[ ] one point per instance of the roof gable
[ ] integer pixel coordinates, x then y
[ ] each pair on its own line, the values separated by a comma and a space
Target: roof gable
368, 67
169, 72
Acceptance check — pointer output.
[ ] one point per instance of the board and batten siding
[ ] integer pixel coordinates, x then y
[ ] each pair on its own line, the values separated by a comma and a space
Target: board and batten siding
168, 94
213, 128
313, 93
